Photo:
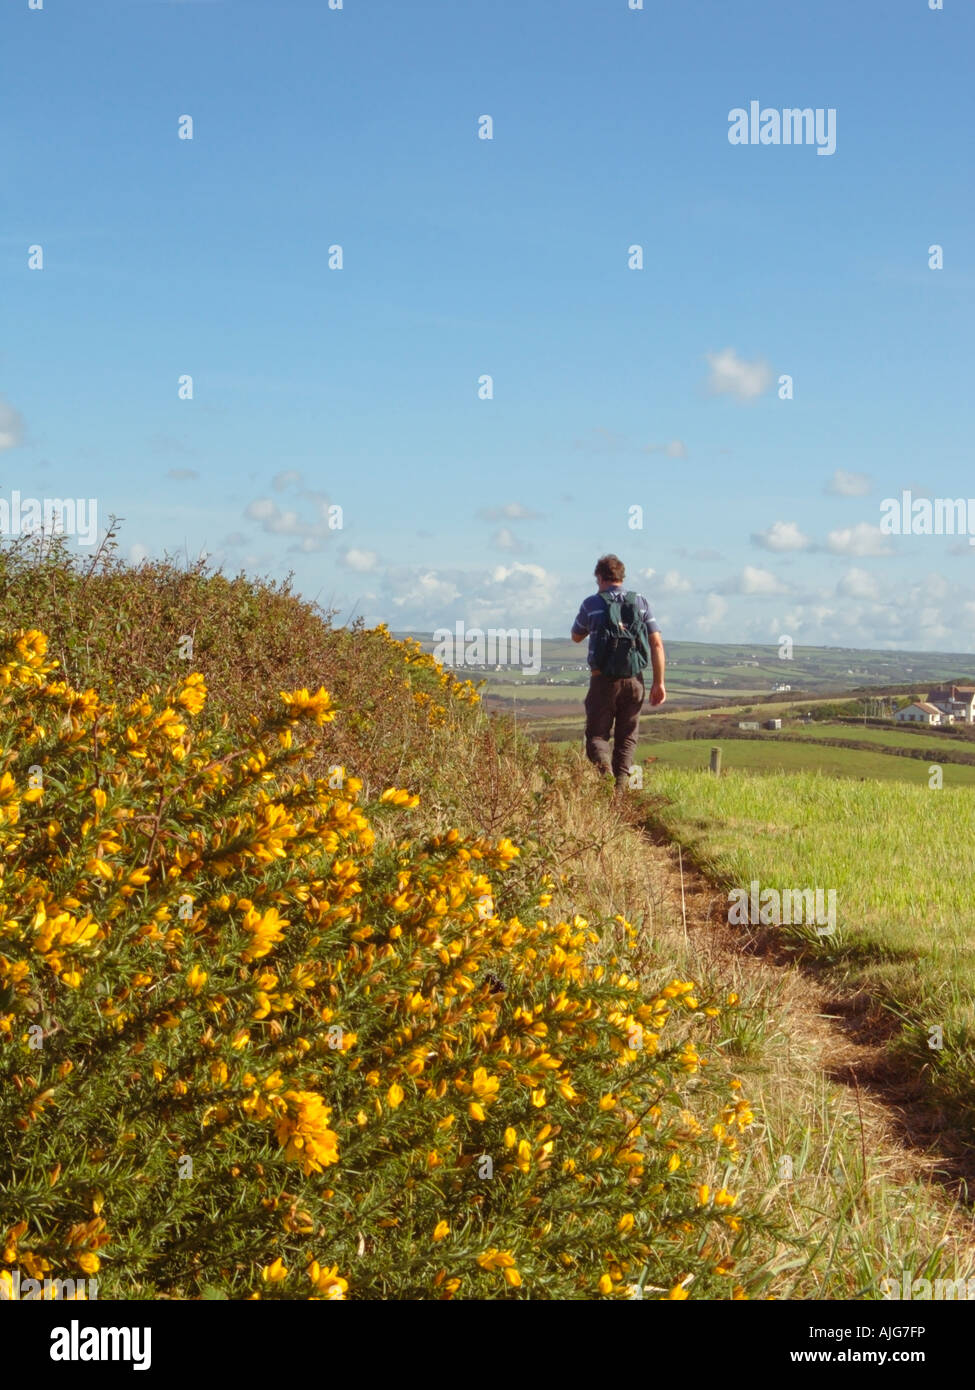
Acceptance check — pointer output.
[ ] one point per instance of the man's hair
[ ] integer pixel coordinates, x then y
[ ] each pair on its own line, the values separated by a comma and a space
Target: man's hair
610, 567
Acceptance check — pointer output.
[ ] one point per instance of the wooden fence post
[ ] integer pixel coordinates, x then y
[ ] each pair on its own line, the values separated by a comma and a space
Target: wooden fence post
716, 761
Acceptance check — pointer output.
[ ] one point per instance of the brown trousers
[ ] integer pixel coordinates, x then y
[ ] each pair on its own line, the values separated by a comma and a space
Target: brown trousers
612, 702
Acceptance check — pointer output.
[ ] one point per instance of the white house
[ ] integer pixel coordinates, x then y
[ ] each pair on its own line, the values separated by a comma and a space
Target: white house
957, 700
920, 713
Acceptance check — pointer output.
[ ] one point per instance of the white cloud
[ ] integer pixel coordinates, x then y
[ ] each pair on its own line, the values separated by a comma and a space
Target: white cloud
676, 449
502, 573
11, 426
261, 509
731, 375
781, 536
844, 610
674, 583
859, 584
182, 475
511, 511
138, 553
510, 594
845, 484
416, 593
755, 581
308, 527
931, 624
361, 561
931, 587
715, 611
505, 539
862, 539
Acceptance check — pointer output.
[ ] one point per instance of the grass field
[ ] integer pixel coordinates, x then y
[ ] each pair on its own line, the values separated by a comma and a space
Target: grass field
897, 857
764, 755
891, 738
548, 725
529, 692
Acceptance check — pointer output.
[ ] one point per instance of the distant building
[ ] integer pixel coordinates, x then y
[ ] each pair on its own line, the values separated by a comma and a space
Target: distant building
748, 723
773, 724
956, 700
779, 687
920, 713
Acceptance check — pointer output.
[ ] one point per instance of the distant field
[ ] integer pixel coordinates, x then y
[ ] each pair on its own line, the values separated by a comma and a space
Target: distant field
563, 723
892, 738
765, 755
897, 858
765, 706
530, 692
756, 667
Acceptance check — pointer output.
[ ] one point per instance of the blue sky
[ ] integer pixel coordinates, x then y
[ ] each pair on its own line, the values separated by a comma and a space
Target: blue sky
613, 387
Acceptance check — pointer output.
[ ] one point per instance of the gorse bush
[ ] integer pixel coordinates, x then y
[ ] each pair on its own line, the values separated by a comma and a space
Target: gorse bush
123, 628
261, 1036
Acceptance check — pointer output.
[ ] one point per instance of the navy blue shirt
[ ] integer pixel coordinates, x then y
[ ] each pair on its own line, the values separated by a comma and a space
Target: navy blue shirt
590, 615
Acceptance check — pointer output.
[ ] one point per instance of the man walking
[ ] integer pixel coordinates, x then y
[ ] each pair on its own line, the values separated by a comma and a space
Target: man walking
623, 640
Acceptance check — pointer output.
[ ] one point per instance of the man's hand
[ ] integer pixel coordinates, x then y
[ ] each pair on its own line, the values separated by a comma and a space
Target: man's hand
657, 693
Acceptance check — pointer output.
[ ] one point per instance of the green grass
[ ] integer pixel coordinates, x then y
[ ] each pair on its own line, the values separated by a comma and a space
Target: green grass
767, 755
529, 692
892, 738
898, 858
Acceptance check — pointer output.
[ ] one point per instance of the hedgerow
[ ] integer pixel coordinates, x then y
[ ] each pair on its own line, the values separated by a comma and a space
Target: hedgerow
262, 1037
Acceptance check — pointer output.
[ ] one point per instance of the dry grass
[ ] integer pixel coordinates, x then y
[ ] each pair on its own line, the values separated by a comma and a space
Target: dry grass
862, 1204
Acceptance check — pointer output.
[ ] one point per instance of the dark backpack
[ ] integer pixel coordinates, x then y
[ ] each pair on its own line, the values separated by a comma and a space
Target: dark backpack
622, 641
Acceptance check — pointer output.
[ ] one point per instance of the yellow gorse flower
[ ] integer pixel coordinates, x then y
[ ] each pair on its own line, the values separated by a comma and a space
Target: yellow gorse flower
196, 979
193, 694
302, 705
304, 1132
328, 1281
265, 932
496, 1259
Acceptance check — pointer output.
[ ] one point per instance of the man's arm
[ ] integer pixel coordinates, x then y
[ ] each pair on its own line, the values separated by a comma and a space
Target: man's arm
580, 628
658, 658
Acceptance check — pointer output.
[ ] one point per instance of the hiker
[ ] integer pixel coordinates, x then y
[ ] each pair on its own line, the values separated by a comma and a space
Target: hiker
623, 640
